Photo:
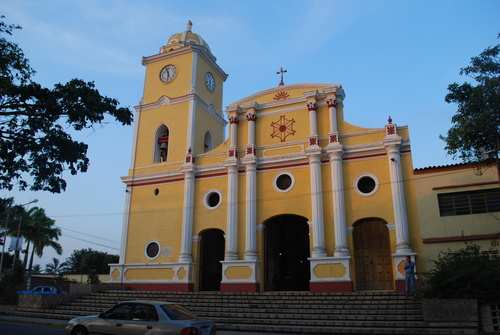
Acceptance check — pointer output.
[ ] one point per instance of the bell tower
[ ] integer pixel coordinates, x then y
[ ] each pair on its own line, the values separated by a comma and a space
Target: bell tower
181, 108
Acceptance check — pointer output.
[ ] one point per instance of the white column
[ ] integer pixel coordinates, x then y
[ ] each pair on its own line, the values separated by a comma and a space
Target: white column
339, 218
313, 127
187, 215
232, 213
319, 249
190, 134
392, 144
251, 117
232, 192
250, 162
314, 154
251, 211
126, 220
332, 113
233, 137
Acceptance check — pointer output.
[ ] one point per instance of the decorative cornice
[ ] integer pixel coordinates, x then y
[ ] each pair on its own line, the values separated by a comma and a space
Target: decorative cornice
200, 50
165, 100
325, 87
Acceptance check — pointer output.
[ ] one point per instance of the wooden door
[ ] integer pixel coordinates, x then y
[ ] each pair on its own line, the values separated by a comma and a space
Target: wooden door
372, 255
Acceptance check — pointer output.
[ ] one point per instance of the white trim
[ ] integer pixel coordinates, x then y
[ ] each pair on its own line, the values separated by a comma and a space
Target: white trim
146, 249
370, 175
205, 199
275, 180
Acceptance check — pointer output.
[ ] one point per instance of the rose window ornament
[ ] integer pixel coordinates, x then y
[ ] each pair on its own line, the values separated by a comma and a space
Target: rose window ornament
282, 128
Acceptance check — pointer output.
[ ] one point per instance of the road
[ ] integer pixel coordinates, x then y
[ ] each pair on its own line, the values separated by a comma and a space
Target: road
14, 328
19, 328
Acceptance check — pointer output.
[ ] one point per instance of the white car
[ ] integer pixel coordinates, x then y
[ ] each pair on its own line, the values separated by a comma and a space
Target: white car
142, 317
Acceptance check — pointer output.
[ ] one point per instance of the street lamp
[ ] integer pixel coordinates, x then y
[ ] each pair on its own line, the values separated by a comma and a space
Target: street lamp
5, 234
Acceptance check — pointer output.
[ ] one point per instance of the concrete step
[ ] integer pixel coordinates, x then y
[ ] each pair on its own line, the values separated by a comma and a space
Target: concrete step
281, 312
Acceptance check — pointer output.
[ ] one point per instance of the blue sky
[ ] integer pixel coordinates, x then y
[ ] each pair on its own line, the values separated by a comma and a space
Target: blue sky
393, 57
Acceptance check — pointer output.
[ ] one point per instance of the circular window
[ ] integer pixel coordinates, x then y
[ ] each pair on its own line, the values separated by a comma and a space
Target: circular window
366, 184
283, 182
157, 191
152, 249
212, 199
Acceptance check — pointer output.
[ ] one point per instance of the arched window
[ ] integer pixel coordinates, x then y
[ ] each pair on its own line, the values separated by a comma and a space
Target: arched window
207, 142
161, 144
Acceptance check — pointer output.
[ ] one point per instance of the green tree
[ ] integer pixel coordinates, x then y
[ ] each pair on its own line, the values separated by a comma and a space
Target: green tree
98, 261
40, 232
33, 139
37, 269
56, 267
74, 261
11, 282
83, 261
476, 124
93, 277
465, 273
12, 217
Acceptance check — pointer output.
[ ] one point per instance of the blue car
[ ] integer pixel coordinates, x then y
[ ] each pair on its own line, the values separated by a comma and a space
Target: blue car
43, 290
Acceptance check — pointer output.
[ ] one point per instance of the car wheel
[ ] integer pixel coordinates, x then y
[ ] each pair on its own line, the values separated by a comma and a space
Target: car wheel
79, 330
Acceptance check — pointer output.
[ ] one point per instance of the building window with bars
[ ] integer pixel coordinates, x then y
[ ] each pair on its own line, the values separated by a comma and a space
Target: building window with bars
471, 202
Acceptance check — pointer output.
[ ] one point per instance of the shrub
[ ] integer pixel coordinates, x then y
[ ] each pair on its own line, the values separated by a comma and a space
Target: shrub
467, 273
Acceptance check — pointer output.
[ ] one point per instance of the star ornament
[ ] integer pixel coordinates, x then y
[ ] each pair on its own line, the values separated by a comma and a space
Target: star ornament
282, 128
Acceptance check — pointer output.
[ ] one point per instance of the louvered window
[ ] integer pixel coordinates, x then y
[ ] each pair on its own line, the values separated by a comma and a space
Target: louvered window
472, 202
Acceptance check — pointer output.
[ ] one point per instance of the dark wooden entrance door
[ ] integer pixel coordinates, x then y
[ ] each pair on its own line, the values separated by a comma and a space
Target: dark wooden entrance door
372, 255
286, 245
212, 252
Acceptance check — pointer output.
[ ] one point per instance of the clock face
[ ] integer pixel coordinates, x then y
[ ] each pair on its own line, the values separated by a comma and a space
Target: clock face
168, 73
210, 81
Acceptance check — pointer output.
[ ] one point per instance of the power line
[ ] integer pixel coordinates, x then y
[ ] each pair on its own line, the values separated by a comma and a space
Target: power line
98, 237
80, 239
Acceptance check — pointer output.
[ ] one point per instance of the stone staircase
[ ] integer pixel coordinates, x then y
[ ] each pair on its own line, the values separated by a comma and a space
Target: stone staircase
280, 312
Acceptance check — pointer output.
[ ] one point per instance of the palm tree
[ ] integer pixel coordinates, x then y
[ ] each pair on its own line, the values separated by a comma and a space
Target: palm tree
40, 231
37, 269
55, 267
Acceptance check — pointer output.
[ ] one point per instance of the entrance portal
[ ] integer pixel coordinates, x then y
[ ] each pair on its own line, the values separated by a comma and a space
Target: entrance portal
286, 247
372, 255
211, 253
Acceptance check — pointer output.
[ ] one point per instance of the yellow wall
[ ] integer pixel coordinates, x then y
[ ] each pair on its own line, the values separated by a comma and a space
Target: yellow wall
158, 216
433, 181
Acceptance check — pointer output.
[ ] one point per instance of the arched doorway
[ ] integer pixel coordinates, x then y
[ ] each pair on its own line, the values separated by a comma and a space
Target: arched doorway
211, 253
372, 252
286, 247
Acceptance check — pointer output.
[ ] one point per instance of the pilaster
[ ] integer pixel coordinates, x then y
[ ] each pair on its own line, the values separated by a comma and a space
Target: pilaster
392, 143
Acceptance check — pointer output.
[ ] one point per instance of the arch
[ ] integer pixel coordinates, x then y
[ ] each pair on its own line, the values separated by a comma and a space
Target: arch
372, 255
208, 144
211, 254
286, 253
162, 137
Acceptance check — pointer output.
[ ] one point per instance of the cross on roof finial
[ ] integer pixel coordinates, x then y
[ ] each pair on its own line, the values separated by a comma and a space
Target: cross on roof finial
280, 72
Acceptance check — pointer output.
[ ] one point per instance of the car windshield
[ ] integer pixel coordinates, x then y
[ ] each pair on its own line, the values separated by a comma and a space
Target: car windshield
176, 312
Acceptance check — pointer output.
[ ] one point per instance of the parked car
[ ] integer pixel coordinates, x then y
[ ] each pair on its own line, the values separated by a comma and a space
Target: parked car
142, 317
43, 290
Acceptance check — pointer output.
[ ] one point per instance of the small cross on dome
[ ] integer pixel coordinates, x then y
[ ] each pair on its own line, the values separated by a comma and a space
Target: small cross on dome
280, 72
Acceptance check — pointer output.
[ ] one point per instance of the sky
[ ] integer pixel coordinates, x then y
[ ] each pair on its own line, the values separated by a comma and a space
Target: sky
393, 58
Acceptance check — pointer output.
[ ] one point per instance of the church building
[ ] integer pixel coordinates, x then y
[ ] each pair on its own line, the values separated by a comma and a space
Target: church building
295, 199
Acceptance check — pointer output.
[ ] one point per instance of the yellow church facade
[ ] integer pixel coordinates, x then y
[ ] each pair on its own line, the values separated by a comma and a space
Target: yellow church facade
295, 198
